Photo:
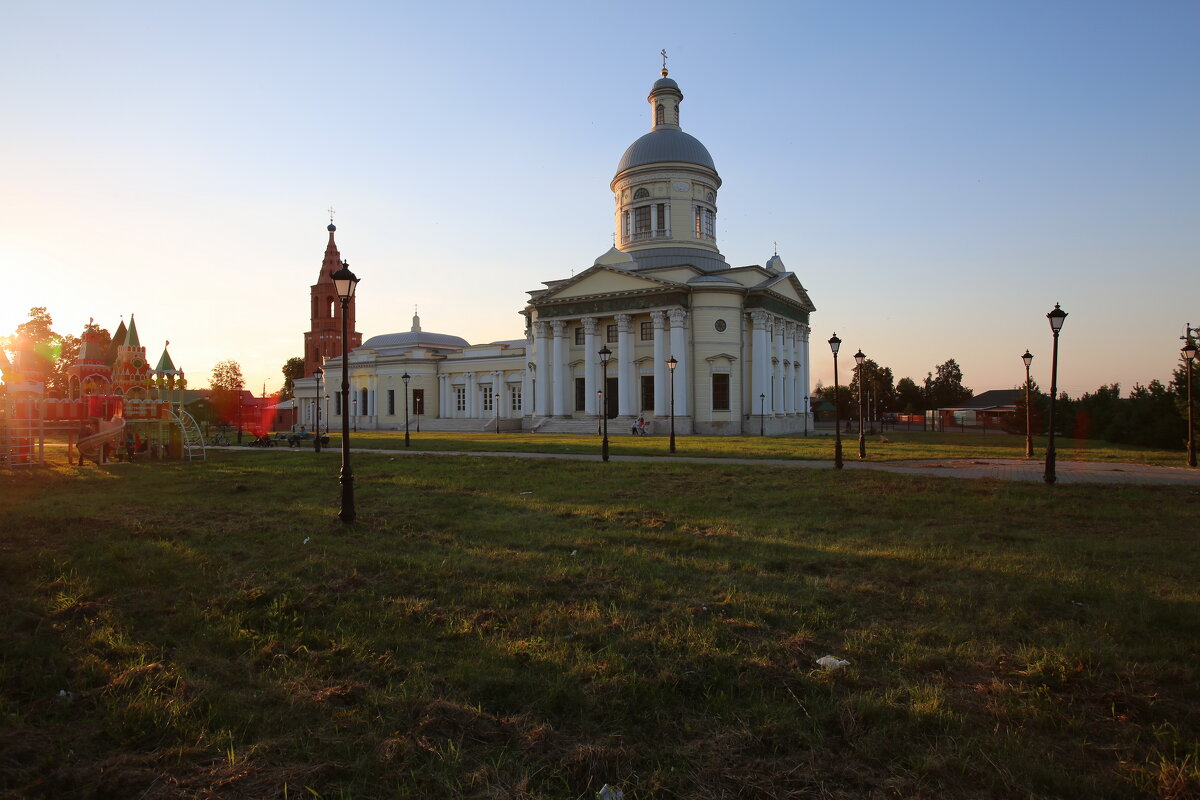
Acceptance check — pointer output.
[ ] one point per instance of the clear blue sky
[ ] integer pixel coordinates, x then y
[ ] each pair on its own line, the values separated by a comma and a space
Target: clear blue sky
938, 174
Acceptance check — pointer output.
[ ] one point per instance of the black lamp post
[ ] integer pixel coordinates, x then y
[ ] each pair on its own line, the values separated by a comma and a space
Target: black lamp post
1189, 352
605, 354
405, 377
1056, 317
318, 373
834, 344
762, 414
806, 417
496, 400
672, 363
1028, 359
344, 283
356, 410
239, 402
862, 434
599, 411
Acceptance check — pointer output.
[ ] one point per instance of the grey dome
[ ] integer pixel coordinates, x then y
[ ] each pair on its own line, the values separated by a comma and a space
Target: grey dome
664, 83
415, 339
666, 144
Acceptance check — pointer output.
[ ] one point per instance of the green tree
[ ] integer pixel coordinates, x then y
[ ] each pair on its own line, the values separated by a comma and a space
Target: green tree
946, 390
879, 384
910, 399
225, 387
1038, 403
293, 368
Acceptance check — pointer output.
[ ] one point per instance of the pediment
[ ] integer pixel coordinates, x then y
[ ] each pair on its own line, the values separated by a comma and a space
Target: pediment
602, 280
788, 287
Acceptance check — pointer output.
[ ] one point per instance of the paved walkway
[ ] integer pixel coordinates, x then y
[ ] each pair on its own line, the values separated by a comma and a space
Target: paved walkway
1009, 469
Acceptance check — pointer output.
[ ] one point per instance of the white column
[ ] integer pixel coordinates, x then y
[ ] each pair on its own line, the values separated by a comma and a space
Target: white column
667, 210
789, 372
775, 399
625, 356
661, 378
591, 366
653, 219
498, 409
804, 364
682, 352
559, 381
540, 404
761, 355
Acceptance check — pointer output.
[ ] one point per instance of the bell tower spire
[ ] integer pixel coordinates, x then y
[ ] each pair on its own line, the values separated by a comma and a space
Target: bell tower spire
324, 336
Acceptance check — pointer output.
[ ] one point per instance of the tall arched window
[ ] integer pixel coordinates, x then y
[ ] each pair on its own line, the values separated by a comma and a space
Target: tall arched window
332, 311
660, 114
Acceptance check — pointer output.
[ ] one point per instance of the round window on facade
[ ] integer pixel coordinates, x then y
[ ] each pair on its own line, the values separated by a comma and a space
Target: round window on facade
719, 325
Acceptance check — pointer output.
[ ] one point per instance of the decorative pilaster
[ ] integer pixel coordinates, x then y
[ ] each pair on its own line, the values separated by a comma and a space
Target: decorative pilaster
560, 379
662, 380
591, 368
682, 352
625, 366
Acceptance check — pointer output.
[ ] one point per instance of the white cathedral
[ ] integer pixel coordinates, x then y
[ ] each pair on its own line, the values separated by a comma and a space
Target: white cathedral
723, 349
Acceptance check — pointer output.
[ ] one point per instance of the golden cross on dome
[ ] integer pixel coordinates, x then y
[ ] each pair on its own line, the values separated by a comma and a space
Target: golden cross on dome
664, 55
331, 212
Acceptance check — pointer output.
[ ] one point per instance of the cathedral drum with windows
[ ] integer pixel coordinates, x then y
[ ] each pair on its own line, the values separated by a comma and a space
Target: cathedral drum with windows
664, 291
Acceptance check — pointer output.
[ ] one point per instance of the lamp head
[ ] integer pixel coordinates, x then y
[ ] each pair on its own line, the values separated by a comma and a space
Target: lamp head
672, 363
344, 281
1028, 357
859, 357
834, 344
1189, 351
1056, 318
318, 372
405, 377
605, 355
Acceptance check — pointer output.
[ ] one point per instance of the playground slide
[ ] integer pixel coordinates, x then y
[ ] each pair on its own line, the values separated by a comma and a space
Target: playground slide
110, 431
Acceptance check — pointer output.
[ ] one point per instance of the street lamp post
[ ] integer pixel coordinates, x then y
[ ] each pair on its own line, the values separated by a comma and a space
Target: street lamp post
496, 399
600, 411
239, 402
1189, 352
862, 434
1056, 317
672, 363
605, 354
806, 417
405, 377
318, 373
1028, 359
344, 283
762, 414
834, 344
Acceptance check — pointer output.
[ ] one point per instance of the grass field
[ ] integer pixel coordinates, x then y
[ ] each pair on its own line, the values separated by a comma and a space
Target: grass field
902, 446
500, 628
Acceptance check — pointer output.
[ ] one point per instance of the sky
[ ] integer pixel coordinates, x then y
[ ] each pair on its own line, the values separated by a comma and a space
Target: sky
937, 174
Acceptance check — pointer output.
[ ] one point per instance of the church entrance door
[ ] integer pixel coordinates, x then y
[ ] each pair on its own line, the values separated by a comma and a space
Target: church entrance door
611, 406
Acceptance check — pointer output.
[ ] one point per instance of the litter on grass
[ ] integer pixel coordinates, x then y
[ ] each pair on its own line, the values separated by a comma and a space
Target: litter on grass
307, 539
831, 663
609, 793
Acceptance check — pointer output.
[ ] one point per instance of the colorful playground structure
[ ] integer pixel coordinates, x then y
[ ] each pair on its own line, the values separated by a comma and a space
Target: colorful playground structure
115, 406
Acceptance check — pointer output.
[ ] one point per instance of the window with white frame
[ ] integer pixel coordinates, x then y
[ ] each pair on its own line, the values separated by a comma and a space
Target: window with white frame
514, 396
460, 398
487, 397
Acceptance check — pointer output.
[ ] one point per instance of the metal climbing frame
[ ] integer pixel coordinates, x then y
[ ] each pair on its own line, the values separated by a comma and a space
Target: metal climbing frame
193, 439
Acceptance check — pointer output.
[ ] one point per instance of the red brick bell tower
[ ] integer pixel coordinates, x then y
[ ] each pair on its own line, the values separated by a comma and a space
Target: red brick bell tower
324, 337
